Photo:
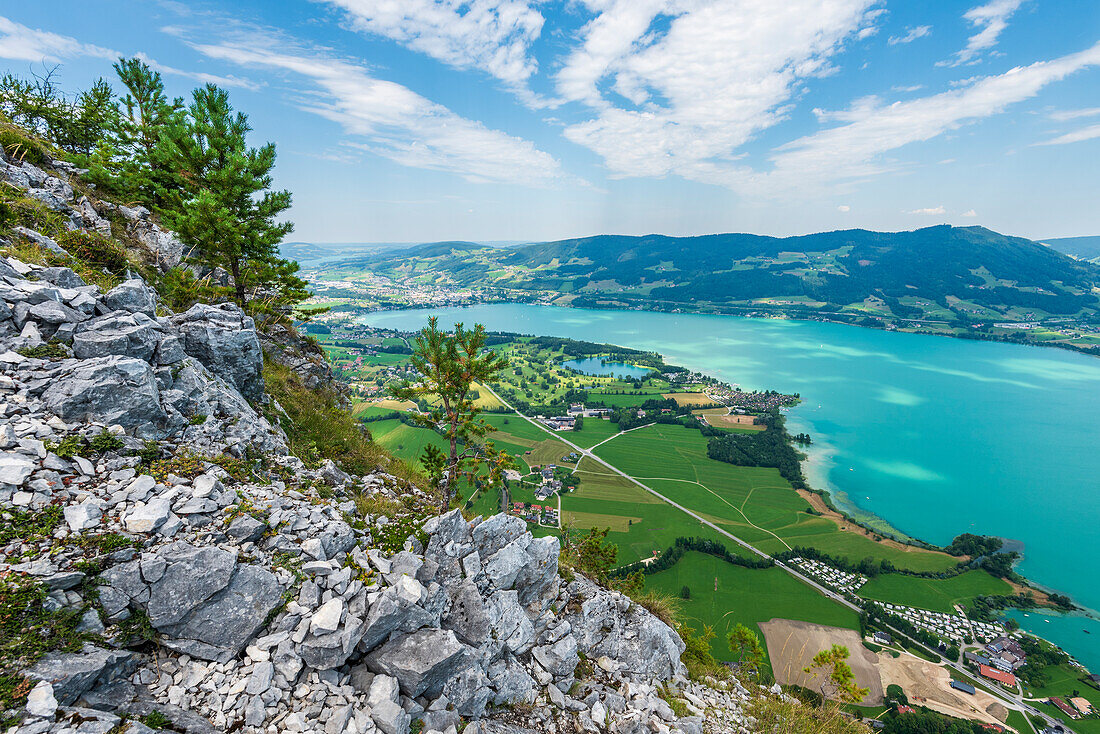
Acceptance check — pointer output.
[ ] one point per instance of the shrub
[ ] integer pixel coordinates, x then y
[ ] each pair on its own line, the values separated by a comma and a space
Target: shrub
94, 250
52, 351
21, 147
105, 441
786, 716
319, 427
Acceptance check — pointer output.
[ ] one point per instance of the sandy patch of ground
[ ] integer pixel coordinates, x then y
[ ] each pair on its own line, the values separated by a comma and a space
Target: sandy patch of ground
688, 398
792, 645
392, 404
928, 684
721, 418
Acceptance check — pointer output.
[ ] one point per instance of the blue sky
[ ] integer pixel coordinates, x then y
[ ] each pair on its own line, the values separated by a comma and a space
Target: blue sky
418, 120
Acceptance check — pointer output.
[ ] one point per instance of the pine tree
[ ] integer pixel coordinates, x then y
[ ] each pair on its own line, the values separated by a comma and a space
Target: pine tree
227, 212
449, 365
146, 117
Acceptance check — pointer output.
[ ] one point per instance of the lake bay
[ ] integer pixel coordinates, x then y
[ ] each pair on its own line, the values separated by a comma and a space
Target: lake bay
935, 436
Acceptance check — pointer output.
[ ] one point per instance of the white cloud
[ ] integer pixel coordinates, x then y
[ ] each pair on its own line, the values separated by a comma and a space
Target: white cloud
910, 88
911, 34
1063, 115
856, 150
970, 213
991, 19
1086, 133
228, 82
678, 85
492, 35
20, 43
396, 122
844, 208
928, 210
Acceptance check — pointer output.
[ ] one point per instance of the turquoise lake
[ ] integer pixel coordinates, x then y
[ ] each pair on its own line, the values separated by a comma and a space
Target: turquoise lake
936, 436
597, 366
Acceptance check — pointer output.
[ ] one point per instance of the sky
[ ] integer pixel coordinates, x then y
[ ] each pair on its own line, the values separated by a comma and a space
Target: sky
530, 120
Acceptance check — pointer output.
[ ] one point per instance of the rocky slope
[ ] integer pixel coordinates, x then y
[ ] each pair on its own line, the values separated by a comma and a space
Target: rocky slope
212, 582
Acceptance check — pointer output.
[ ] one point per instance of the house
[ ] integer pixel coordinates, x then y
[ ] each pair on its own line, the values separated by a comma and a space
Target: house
902, 709
1082, 704
1000, 676
964, 687
977, 659
883, 639
576, 409
1064, 707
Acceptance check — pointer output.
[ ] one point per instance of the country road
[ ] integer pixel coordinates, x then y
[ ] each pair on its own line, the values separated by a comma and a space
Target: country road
1013, 701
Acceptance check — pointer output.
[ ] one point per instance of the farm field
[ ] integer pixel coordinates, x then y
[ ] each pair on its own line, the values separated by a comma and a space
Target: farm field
688, 398
403, 441
630, 399
640, 523
744, 595
592, 432
936, 594
756, 504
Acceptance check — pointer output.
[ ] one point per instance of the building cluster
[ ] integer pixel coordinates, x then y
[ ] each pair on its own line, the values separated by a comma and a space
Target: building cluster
549, 486
1001, 652
834, 578
558, 422
954, 627
1074, 709
537, 514
580, 409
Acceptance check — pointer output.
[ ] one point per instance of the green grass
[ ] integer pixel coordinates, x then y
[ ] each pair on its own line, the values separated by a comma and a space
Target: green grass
513, 425
936, 594
404, 441
593, 431
744, 595
756, 504
619, 401
1018, 721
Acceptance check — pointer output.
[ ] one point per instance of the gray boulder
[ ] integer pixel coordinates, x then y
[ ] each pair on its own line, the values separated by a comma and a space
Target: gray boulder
223, 338
397, 609
71, 674
63, 277
132, 296
113, 389
201, 600
127, 334
41, 240
422, 661
607, 623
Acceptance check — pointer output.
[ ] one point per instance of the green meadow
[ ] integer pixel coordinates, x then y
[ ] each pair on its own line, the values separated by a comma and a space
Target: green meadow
937, 594
744, 595
756, 504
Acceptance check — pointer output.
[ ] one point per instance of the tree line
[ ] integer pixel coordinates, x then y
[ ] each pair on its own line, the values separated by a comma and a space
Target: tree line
672, 555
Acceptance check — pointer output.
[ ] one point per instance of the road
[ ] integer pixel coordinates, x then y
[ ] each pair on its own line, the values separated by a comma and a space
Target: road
1014, 701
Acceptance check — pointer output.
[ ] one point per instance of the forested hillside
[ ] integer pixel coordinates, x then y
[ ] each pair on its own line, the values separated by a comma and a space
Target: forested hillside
945, 272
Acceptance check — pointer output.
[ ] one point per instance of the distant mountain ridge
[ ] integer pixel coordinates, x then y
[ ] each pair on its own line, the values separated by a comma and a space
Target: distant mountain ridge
1085, 248
960, 272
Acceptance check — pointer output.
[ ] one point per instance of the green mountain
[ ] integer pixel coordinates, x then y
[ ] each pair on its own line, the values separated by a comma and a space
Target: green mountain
943, 272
